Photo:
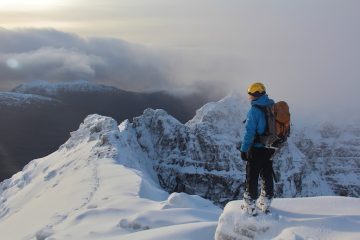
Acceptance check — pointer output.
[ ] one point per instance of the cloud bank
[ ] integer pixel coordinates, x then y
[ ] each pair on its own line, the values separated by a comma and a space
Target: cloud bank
305, 52
51, 55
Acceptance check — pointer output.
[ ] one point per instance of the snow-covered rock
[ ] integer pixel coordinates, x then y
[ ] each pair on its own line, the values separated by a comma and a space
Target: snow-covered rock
332, 155
293, 219
235, 224
199, 157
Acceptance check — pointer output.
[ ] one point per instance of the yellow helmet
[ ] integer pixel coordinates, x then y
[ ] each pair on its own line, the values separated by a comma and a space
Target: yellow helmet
256, 89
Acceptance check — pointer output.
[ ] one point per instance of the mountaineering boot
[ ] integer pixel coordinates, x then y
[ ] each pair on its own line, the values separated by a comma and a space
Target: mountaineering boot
263, 203
249, 205
249, 208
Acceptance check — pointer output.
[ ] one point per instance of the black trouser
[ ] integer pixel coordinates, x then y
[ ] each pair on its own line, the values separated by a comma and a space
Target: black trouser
259, 163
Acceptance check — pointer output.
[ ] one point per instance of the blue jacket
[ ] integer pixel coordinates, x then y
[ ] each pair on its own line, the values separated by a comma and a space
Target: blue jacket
255, 123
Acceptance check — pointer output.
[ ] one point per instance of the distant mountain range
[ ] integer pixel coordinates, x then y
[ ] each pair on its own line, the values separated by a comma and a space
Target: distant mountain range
36, 118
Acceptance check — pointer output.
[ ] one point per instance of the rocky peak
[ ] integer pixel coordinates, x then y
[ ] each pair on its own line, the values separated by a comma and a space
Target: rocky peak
201, 156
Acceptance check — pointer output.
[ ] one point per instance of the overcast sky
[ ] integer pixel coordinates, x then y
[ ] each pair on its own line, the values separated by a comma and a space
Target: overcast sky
306, 52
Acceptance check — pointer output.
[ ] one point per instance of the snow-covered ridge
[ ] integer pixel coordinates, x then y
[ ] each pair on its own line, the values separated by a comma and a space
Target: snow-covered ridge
94, 187
19, 99
53, 89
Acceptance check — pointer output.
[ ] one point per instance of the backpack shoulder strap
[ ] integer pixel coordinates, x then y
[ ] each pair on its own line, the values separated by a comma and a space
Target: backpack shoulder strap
265, 110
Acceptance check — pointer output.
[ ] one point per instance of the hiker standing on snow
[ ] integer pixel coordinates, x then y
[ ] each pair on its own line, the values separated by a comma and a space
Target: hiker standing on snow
256, 154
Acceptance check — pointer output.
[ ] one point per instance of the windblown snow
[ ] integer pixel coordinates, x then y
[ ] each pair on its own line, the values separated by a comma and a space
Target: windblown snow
107, 181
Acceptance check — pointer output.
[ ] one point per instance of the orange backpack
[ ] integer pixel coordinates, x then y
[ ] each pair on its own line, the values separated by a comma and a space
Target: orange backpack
277, 125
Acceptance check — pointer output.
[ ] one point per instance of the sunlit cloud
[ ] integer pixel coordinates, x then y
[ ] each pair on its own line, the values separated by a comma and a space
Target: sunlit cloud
30, 5
13, 63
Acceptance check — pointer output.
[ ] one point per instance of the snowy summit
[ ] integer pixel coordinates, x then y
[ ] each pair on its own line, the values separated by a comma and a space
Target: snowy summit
112, 181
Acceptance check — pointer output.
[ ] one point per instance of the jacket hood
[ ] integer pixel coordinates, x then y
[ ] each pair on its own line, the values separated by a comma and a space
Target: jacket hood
264, 100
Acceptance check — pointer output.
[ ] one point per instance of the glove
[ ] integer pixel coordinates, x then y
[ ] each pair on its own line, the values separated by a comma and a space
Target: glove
244, 156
